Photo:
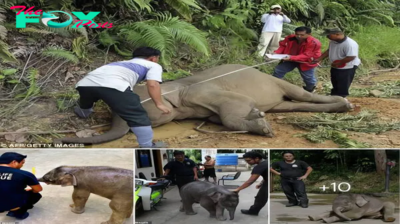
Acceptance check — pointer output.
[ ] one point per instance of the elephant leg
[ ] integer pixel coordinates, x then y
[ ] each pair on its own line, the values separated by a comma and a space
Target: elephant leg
130, 211
220, 213
209, 206
237, 112
288, 106
320, 217
79, 197
215, 119
121, 208
388, 212
188, 207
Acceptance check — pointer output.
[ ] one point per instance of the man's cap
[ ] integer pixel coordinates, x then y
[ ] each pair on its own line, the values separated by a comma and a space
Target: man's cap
276, 6
332, 30
8, 157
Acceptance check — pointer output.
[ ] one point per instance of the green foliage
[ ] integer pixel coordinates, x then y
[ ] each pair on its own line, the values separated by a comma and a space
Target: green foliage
79, 47
60, 53
33, 89
175, 74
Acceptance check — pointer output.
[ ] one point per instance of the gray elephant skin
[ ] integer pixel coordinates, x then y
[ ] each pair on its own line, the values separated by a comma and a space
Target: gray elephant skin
237, 101
347, 207
113, 183
214, 198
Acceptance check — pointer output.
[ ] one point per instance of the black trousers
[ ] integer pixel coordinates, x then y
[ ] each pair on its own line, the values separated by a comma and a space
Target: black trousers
126, 104
261, 198
295, 190
210, 172
182, 180
32, 198
341, 81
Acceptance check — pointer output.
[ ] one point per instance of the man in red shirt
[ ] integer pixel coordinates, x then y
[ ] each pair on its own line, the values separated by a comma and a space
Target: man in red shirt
302, 49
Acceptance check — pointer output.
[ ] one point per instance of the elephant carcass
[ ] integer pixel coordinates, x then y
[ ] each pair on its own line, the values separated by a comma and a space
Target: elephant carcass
213, 198
112, 183
236, 101
347, 207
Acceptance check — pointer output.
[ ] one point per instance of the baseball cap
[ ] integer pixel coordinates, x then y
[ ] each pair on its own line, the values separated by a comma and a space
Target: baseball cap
276, 6
8, 157
332, 30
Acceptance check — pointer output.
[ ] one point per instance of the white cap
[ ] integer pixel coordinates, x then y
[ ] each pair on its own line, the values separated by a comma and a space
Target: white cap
276, 6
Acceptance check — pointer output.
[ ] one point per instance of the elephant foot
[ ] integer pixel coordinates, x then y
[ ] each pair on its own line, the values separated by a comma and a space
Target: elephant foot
266, 128
191, 213
255, 114
389, 219
221, 218
349, 106
75, 210
212, 215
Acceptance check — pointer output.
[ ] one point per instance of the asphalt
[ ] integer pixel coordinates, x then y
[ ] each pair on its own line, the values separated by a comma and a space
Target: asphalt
318, 204
54, 208
168, 210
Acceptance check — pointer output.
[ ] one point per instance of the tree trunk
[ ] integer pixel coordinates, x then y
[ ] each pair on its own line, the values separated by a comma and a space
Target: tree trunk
380, 161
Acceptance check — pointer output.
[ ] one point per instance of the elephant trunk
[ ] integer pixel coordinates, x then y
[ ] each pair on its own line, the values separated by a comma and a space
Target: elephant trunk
232, 214
338, 212
118, 129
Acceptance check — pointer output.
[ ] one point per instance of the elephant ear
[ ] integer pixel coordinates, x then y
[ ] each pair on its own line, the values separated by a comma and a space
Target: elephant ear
215, 196
68, 180
361, 201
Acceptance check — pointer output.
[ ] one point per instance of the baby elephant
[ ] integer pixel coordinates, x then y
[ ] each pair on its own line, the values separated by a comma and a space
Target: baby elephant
115, 184
213, 198
347, 207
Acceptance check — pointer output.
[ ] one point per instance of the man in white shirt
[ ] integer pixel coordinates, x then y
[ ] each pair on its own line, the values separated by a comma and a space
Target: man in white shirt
343, 56
272, 30
113, 83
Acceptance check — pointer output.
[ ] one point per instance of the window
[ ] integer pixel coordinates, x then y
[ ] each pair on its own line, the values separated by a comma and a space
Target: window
143, 158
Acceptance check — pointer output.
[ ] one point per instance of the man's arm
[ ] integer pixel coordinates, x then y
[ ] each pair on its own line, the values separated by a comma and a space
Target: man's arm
323, 56
275, 172
167, 172
264, 17
249, 182
154, 90
36, 188
282, 45
309, 170
285, 18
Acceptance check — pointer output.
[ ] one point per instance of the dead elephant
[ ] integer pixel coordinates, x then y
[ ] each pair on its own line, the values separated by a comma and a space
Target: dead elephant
237, 100
115, 184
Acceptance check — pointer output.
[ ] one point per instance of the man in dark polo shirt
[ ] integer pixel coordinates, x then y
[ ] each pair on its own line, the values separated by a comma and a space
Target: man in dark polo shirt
292, 173
185, 170
13, 181
261, 169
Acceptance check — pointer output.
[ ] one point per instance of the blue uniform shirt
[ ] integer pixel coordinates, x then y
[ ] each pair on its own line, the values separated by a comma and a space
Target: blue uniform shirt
12, 187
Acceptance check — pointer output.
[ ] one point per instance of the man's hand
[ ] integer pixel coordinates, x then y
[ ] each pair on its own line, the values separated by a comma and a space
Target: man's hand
302, 178
196, 178
236, 190
258, 186
315, 61
336, 64
164, 109
287, 58
28, 189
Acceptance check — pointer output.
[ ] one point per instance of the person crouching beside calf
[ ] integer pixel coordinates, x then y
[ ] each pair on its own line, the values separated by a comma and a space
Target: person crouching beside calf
113, 83
14, 198
302, 49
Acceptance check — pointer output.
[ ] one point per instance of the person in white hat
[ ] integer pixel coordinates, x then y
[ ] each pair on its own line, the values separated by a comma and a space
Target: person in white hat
272, 30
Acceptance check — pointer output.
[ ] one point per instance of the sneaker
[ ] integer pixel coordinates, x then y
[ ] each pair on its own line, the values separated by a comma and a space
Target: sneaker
158, 144
18, 216
309, 90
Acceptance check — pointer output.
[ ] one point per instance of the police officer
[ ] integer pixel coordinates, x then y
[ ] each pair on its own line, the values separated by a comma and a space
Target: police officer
185, 170
292, 173
261, 169
14, 197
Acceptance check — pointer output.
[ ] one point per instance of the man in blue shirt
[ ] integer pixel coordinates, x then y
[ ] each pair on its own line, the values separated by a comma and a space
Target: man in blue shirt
13, 181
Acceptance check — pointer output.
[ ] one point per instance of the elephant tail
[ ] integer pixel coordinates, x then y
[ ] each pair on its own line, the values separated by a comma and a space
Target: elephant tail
339, 213
118, 129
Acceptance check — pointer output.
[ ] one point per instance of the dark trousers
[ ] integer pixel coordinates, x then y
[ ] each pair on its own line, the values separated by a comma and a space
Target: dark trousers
182, 180
126, 104
295, 190
261, 199
210, 172
341, 81
32, 198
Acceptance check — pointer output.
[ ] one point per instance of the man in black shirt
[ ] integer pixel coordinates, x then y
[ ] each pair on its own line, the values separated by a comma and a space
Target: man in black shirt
13, 181
261, 169
292, 173
185, 170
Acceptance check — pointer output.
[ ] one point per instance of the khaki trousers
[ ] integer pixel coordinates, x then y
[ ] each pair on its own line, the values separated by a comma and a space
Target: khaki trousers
269, 42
